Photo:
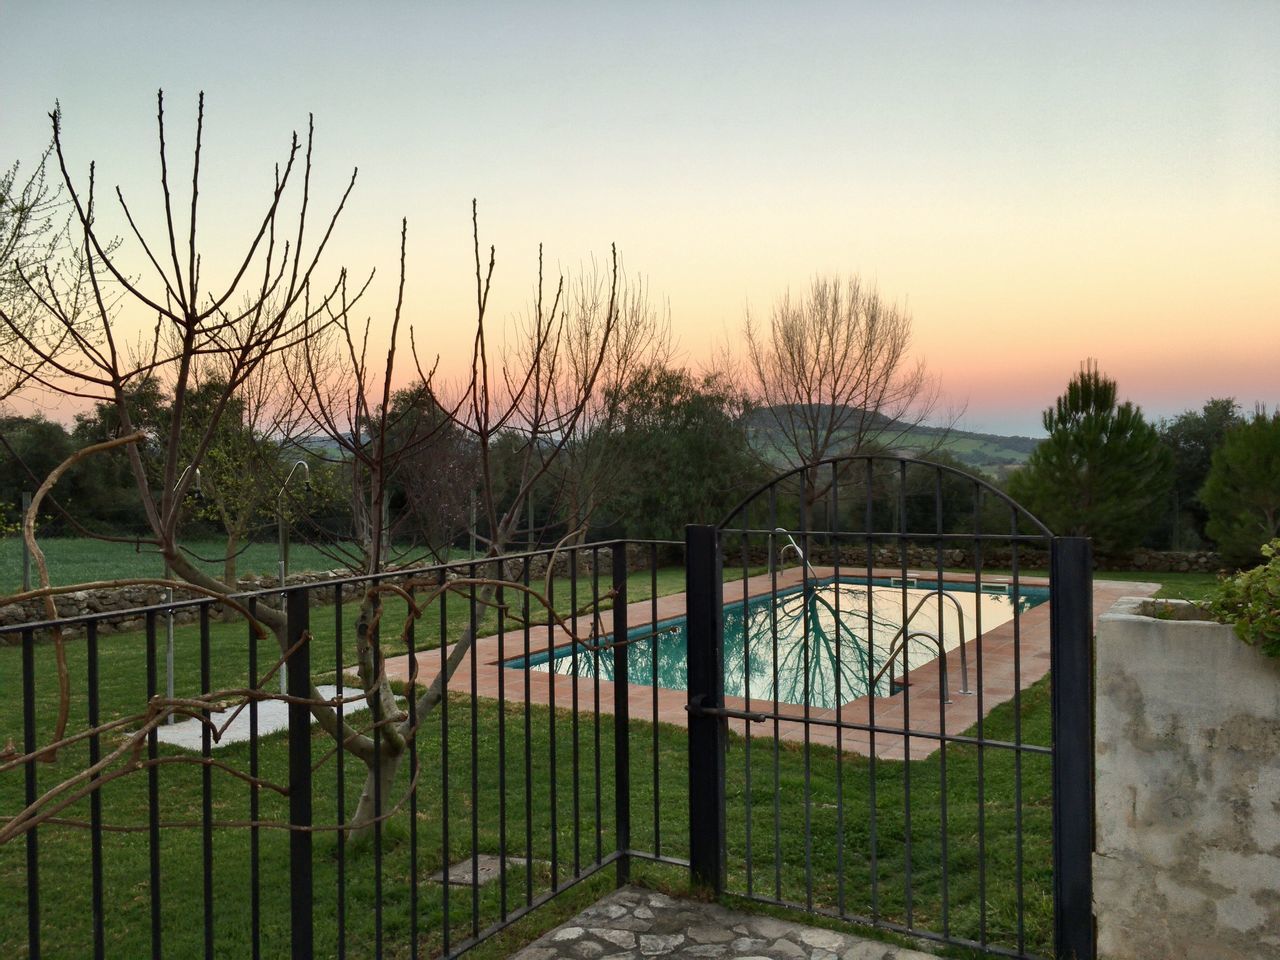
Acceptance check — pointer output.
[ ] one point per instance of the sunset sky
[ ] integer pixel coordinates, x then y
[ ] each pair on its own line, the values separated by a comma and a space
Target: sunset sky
1039, 183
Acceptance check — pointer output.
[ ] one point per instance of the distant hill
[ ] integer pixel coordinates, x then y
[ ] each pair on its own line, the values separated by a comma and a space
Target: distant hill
987, 453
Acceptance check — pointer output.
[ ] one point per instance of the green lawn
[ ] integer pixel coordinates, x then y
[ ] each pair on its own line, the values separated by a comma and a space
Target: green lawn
1174, 586
82, 560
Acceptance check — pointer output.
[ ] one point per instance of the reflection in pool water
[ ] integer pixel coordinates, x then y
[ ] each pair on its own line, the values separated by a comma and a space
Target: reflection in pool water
824, 643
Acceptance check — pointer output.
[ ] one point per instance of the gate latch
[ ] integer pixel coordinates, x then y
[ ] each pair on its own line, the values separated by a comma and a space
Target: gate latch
695, 709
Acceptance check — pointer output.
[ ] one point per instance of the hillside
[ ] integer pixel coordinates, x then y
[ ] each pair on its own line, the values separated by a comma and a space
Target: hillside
988, 453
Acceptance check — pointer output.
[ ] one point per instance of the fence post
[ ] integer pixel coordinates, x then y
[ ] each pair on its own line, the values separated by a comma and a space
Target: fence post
298, 618
1071, 669
621, 713
704, 609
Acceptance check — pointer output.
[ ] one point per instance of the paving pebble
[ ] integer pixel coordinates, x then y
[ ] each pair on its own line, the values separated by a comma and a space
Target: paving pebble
632, 923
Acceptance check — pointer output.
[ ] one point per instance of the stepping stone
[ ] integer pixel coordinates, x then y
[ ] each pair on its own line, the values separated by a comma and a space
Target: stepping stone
488, 869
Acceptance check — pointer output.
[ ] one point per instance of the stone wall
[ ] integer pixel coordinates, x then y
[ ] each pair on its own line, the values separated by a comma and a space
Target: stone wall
994, 556
124, 599
1187, 854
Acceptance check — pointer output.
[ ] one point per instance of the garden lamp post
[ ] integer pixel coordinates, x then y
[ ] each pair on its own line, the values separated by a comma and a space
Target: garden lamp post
168, 594
283, 531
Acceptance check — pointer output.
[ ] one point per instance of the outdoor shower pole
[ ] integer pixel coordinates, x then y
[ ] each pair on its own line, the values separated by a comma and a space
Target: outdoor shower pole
282, 533
26, 550
168, 599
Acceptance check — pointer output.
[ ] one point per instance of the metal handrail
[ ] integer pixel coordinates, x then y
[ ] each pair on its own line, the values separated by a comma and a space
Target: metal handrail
944, 693
795, 546
893, 650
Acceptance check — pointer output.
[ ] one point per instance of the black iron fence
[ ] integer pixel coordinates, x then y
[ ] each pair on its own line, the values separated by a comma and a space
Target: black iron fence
352, 817
235, 829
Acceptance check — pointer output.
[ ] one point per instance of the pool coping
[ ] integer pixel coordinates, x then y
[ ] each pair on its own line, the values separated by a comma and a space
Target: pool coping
1005, 669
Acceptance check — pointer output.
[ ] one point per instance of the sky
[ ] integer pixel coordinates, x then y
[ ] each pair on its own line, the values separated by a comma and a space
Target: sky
1037, 183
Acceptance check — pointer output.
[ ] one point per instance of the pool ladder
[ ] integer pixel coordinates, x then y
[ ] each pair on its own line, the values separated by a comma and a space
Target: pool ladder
791, 542
906, 635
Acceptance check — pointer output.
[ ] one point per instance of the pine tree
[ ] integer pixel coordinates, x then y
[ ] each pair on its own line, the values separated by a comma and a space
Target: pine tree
1102, 472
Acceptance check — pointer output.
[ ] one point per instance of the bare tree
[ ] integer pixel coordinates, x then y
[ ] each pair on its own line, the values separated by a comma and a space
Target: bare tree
36, 241
639, 339
192, 326
199, 342
537, 390
832, 375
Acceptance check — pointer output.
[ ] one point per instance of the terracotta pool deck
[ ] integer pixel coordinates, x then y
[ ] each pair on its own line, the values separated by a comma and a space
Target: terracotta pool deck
917, 710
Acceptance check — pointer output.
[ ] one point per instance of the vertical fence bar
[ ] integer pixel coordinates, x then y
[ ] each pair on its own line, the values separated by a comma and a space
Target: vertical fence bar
95, 798
595, 693
375, 712
412, 698
573, 686
1071, 666
445, 854
340, 764
982, 774
703, 591
298, 614
1015, 592
153, 794
868, 526
29, 774
499, 574
621, 714
206, 786
653, 667
528, 737
255, 873
748, 815
473, 627
551, 726
806, 654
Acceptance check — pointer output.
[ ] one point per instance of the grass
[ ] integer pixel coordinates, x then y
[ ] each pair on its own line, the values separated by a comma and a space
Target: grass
1173, 586
82, 560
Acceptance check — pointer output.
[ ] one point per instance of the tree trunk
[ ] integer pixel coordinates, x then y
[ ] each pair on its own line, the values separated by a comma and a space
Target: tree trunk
229, 560
376, 795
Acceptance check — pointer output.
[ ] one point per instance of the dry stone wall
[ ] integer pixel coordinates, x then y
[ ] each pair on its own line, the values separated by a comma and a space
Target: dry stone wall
124, 599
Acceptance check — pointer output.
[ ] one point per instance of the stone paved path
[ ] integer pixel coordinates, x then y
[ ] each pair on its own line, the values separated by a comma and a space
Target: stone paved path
632, 923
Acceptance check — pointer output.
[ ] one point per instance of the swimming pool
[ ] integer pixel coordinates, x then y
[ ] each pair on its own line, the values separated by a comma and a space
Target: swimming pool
824, 643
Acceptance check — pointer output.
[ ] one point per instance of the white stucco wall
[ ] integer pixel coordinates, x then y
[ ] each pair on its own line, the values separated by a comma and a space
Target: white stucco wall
1187, 860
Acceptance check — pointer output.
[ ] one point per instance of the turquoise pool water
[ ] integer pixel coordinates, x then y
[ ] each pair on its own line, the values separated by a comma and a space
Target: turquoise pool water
822, 644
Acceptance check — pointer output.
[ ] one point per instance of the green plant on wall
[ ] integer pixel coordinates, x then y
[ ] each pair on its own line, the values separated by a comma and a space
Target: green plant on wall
1251, 601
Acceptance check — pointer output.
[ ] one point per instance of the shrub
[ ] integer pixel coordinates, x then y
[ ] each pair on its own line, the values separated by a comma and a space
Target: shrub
1251, 601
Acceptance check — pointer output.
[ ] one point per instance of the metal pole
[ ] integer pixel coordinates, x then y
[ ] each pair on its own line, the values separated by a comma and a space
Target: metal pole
168, 640
283, 565
168, 596
704, 593
1071, 667
621, 714
26, 551
471, 549
282, 533
298, 613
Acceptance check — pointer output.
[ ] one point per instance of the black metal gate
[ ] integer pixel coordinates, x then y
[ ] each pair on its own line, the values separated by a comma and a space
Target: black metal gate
898, 758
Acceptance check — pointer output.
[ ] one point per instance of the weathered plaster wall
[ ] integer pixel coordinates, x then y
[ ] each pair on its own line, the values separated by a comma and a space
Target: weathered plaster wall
1187, 860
